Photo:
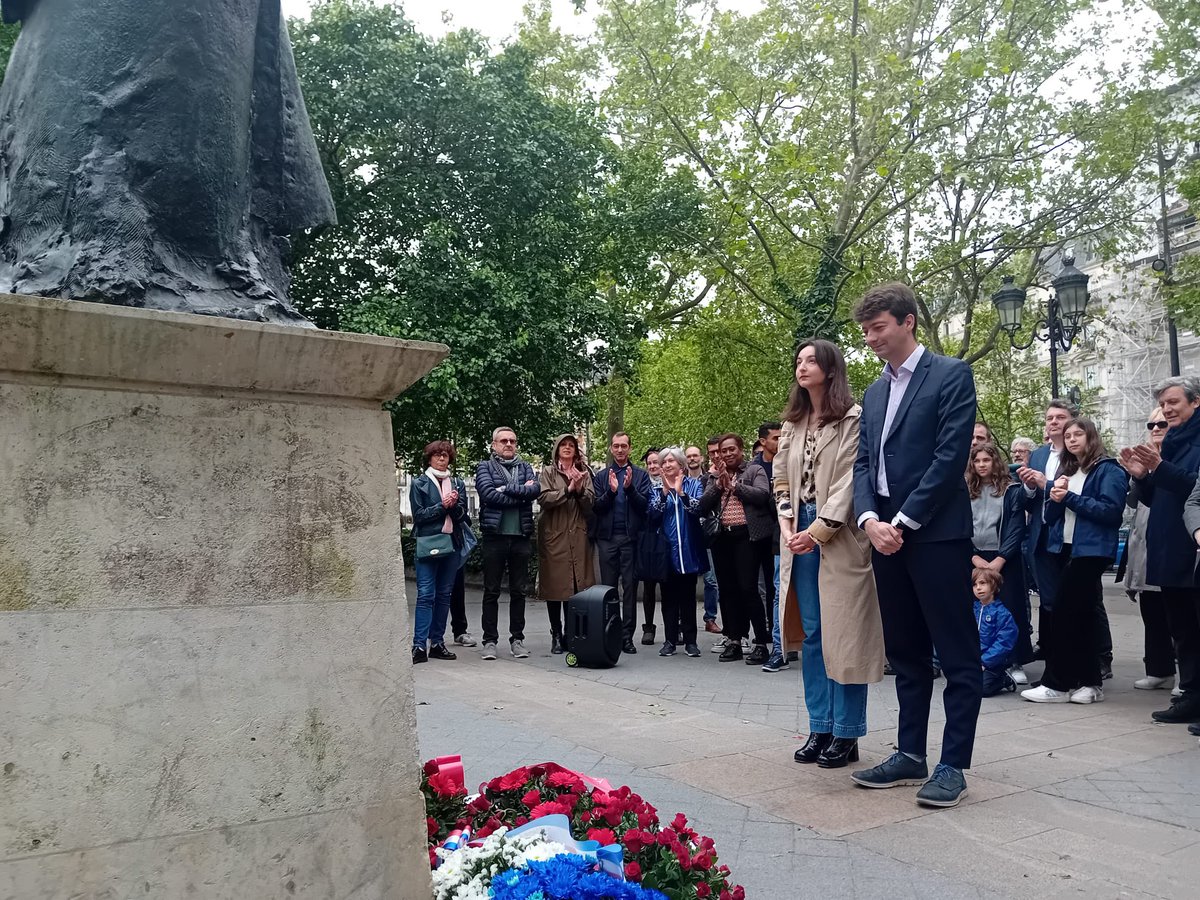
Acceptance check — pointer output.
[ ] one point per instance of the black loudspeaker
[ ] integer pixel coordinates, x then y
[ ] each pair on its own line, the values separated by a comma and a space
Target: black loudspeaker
593, 628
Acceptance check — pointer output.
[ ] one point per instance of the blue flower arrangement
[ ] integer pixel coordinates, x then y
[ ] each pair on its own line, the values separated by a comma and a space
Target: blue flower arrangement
567, 877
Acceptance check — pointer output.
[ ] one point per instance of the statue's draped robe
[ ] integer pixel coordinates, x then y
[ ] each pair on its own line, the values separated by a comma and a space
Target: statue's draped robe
155, 153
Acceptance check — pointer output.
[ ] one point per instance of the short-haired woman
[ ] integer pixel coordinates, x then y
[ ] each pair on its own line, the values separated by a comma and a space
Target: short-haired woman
564, 555
740, 497
675, 509
998, 516
439, 508
828, 607
1083, 514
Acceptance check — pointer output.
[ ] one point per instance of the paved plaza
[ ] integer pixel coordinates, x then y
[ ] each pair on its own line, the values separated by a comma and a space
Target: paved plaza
1064, 800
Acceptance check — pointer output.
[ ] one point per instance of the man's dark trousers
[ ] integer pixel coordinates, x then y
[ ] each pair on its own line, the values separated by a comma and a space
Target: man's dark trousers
616, 569
925, 600
500, 552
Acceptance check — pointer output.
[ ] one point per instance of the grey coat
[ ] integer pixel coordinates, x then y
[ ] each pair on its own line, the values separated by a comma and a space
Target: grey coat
753, 488
1191, 510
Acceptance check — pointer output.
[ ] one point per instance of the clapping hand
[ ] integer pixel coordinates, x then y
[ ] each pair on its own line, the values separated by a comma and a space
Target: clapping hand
612, 480
1031, 478
1059, 491
628, 477
673, 482
1148, 456
1131, 463
450, 499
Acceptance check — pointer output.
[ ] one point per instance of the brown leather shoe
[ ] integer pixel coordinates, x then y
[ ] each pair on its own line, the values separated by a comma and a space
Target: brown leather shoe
712, 627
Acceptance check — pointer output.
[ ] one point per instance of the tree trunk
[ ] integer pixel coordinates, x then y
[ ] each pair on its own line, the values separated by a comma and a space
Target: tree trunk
616, 407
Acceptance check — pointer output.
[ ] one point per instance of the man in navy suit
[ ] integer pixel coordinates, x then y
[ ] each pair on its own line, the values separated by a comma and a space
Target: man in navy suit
911, 499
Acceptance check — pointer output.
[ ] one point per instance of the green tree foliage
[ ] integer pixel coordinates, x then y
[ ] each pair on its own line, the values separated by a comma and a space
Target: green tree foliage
842, 143
476, 209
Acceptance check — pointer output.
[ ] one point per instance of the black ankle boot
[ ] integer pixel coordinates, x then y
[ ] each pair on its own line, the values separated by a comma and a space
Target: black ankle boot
813, 747
648, 635
556, 643
839, 752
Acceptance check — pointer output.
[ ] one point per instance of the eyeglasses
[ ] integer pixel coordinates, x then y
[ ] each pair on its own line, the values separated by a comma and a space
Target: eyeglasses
506, 440
1153, 425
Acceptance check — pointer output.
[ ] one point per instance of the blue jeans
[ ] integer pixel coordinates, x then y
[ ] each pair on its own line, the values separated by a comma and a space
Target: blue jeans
776, 635
710, 592
832, 706
435, 584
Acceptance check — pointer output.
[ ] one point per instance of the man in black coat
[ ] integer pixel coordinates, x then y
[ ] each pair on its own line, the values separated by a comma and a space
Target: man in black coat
1166, 477
622, 497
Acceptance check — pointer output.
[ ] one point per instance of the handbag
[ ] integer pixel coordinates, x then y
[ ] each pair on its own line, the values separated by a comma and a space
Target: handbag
712, 524
469, 540
432, 546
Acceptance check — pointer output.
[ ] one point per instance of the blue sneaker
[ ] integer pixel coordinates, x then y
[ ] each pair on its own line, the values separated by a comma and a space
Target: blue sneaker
777, 663
897, 770
945, 788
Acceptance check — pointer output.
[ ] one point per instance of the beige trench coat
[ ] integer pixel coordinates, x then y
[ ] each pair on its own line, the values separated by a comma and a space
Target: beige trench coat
564, 555
851, 629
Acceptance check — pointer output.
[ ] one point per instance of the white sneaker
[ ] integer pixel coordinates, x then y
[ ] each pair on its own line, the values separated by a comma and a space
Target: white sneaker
464, 640
1087, 695
1151, 683
719, 646
1017, 674
1044, 694
488, 651
518, 649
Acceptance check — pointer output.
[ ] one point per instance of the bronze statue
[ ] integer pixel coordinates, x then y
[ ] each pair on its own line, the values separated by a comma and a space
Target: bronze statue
155, 153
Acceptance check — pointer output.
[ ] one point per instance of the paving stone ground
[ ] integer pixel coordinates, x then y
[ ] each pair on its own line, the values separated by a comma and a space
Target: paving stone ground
1064, 800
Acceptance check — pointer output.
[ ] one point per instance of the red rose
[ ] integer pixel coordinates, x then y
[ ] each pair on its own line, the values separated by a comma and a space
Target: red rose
531, 798
646, 819
431, 825
633, 841
707, 843
445, 786
537, 771
679, 823
521, 820
480, 804
568, 800
612, 816
603, 835
702, 861
739, 892
430, 768
725, 895
633, 872
685, 859
514, 779
600, 798
667, 838
585, 816
703, 890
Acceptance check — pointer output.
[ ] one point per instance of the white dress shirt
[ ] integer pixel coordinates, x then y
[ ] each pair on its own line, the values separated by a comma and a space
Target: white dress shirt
898, 381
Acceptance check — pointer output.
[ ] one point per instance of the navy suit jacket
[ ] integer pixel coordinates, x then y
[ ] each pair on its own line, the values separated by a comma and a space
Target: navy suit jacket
1036, 504
926, 449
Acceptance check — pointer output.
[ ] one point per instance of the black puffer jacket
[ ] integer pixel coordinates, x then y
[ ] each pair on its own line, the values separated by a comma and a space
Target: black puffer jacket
496, 495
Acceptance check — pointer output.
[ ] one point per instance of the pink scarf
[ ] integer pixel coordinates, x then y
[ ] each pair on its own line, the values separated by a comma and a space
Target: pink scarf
445, 485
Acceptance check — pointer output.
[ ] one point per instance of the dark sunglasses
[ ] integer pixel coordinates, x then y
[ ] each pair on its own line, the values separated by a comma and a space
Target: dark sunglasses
1153, 425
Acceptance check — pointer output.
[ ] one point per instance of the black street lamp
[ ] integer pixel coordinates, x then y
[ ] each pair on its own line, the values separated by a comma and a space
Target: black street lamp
1064, 314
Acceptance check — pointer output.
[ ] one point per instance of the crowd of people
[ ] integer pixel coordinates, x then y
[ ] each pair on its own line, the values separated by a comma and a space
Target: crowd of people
891, 537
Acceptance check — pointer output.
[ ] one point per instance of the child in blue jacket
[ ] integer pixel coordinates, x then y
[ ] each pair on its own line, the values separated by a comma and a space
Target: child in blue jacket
997, 632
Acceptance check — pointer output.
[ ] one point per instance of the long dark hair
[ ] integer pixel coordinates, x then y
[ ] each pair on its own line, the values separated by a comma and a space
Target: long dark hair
1093, 450
838, 398
999, 479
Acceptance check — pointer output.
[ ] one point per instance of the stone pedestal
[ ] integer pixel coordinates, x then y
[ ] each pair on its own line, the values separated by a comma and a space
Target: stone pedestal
205, 679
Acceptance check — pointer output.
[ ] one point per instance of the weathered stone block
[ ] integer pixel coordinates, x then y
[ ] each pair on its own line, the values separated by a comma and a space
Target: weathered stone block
204, 668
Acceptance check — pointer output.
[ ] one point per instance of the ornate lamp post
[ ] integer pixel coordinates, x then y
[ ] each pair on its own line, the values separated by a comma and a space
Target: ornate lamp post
1061, 323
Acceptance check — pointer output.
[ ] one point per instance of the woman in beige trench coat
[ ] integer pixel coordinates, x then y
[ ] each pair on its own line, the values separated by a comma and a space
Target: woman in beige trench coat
564, 554
827, 602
